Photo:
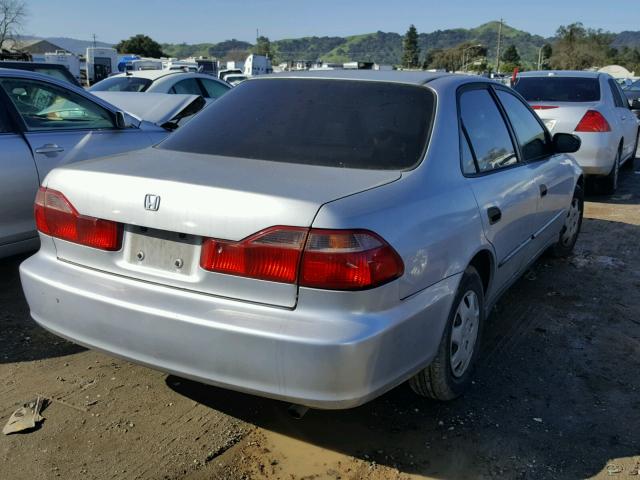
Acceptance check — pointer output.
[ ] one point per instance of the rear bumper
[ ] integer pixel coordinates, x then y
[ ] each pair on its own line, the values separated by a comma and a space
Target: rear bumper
597, 152
321, 354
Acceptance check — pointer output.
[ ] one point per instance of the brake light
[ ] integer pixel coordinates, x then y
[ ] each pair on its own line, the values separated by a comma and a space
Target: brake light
57, 217
272, 254
593, 121
348, 260
543, 107
327, 259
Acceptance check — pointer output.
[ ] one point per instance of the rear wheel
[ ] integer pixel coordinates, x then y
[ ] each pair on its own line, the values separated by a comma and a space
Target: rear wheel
609, 184
572, 224
451, 370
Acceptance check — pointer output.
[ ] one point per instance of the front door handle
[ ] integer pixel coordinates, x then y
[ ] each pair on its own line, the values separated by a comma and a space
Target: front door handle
543, 190
49, 148
494, 214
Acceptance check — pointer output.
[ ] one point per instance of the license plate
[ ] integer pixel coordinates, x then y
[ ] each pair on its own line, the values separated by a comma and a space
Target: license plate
162, 251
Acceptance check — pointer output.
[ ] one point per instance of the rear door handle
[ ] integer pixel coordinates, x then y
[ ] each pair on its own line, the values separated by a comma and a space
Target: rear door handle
543, 190
494, 215
49, 148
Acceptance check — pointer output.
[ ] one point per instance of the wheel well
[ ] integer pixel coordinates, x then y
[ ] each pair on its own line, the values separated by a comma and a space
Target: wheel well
483, 262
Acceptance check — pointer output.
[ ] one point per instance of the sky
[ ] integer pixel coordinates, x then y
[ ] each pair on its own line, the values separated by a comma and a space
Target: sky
199, 21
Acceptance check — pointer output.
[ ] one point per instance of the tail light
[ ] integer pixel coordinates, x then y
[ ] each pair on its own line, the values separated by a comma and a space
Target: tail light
593, 121
55, 216
273, 254
543, 107
327, 259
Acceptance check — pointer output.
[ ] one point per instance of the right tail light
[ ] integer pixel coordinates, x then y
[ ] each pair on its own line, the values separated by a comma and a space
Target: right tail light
316, 258
594, 122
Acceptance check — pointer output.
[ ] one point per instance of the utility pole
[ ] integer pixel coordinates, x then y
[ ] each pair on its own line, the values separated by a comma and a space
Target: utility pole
498, 49
94, 40
540, 58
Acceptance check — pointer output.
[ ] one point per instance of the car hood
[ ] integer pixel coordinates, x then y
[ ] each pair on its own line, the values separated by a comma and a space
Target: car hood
158, 108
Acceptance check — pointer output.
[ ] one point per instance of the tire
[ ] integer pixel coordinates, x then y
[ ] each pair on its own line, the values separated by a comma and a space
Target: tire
446, 378
571, 229
609, 184
629, 164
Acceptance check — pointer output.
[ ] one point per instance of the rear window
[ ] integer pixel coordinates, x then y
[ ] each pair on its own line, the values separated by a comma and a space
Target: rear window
337, 123
121, 84
558, 89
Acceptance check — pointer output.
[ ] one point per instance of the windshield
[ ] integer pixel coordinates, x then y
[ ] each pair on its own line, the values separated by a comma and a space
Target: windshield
634, 87
122, 84
558, 89
337, 123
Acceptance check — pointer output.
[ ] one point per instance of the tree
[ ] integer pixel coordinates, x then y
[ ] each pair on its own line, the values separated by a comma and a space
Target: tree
511, 55
411, 52
141, 45
236, 55
12, 15
263, 47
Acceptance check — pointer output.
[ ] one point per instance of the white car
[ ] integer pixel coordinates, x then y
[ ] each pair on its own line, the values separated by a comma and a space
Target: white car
164, 81
592, 106
235, 79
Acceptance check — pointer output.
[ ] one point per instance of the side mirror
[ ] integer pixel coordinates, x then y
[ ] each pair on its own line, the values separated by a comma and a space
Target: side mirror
566, 143
121, 122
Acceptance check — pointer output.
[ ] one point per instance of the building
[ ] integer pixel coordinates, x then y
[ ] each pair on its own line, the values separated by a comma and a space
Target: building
32, 47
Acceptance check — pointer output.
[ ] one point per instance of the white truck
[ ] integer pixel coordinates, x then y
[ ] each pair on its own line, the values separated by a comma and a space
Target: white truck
257, 65
101, 62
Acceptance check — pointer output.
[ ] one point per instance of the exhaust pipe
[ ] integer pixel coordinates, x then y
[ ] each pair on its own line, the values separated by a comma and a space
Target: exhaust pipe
297, 411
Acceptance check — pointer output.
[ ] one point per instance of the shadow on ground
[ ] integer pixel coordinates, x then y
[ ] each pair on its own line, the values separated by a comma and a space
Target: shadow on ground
22, 340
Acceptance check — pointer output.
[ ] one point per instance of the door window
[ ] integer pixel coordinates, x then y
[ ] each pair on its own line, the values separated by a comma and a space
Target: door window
530, 134
188, 86
491, 143
214, 89
44, 106
617, 99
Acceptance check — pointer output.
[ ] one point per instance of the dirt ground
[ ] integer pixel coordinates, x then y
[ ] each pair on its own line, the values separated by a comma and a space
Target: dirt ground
557, 393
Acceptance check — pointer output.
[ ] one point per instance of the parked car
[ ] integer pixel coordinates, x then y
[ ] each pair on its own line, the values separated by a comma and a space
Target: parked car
632, 92
44, 123
235, 79
164, 81
592, 106
52, 69
222, 74
355, 238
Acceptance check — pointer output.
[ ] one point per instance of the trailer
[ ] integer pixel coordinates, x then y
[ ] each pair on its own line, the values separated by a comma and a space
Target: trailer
257, 65
100, 63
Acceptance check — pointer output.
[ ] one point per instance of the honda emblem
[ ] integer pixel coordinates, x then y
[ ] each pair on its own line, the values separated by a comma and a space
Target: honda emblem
152, 202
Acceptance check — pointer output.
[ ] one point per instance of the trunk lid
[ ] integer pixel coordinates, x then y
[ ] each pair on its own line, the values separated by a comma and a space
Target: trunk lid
562, 117
199, 196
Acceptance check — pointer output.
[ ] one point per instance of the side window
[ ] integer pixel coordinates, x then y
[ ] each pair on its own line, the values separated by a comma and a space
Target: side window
531, 136
623, 96
44, 106
4, 120
617, 100
469, 166
490, 140
188, 86
214, 89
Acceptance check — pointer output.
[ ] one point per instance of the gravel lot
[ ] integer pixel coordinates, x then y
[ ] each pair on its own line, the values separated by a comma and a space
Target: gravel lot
557, 394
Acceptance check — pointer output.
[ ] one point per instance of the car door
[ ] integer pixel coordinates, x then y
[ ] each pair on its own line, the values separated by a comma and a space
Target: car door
18, 182
625, 118
63, 126
503, 187
551, 173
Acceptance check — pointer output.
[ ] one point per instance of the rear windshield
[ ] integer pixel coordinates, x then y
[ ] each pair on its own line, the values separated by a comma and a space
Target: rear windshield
337, 123
558, 89
121, 84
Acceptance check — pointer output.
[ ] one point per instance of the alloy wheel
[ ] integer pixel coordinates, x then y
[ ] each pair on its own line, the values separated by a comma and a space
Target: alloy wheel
464, 333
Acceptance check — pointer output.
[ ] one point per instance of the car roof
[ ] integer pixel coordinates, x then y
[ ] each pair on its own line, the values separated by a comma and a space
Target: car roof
149, 74
561, 73
408, 77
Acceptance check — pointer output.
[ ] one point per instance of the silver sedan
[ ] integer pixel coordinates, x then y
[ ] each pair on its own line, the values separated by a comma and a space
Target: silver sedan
44, 123
352, 233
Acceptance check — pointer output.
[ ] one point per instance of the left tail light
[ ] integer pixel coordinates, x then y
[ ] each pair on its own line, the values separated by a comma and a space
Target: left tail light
57, 217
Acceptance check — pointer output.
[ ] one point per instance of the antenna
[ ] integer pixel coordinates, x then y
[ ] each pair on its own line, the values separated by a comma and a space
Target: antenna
257, 35
94, 40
